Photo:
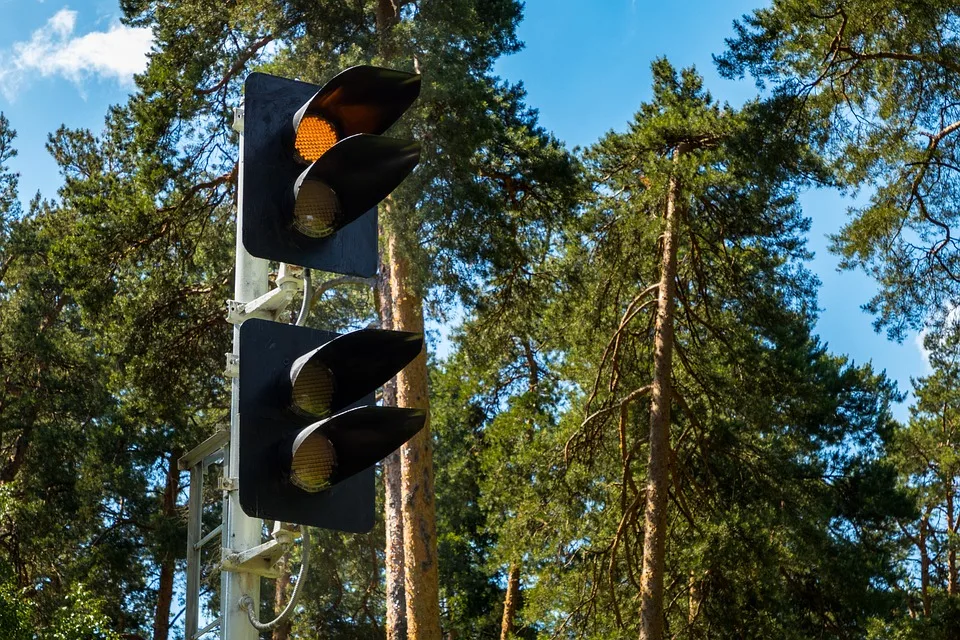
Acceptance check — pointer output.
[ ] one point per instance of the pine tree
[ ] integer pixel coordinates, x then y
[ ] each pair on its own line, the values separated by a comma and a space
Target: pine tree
879, 79
758, 468
927, 458
146, 211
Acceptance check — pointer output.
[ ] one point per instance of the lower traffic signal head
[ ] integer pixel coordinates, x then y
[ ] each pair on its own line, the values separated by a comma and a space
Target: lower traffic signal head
306, 450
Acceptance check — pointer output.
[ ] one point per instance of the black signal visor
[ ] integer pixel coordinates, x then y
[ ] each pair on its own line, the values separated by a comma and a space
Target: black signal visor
358, 439
358, 363
360, 171
362, 99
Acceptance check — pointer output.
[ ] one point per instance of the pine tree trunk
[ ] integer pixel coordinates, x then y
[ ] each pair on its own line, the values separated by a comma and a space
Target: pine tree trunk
161, 621
396, 598
421, 580
510, 601
658, 475
951, 531
694, 602
396, 619
924, 565
416, 516
388, 16
280, 599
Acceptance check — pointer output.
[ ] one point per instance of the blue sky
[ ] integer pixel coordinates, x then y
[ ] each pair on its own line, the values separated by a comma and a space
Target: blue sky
585, 67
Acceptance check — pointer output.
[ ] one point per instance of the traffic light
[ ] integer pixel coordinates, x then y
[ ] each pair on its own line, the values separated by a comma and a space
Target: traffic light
307, 442
316, 165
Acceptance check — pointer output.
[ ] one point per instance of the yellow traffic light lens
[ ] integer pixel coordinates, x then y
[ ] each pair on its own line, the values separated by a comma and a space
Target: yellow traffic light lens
317, 209
314, 136
313, 390
313, 463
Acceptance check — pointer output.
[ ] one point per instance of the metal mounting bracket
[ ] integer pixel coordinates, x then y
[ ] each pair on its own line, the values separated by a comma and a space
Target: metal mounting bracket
260, 560
238, 119
271, 304
232, 369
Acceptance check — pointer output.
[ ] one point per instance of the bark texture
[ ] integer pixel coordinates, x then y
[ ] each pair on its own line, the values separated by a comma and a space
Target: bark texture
693, 608
161, 621
658, 471
510, 601
396, 622
949, 502
396, 618
387, 17
924, 563
421, 581
951, 531
280, 599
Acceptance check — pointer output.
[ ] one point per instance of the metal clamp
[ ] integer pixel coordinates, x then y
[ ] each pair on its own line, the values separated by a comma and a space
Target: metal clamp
232, 369
273, 302
262, 559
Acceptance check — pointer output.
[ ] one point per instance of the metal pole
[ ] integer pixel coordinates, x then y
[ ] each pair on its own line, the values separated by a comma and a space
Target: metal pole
195, 521
241, 532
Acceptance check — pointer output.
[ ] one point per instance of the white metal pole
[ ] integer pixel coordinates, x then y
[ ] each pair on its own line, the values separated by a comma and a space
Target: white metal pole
241, 531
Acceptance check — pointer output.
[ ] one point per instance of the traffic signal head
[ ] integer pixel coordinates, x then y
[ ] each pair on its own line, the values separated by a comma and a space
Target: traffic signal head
316, 165
306, 450
330, 451
345, 369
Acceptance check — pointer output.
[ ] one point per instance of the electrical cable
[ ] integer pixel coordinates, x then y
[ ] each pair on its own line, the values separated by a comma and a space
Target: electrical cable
307, 298
246, 602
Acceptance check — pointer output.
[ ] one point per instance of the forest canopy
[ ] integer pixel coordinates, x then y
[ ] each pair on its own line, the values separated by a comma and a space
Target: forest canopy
633, 427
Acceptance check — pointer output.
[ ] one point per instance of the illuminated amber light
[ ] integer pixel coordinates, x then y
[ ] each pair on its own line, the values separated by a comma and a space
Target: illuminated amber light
314, 136
313, 464
316, 210
312, 389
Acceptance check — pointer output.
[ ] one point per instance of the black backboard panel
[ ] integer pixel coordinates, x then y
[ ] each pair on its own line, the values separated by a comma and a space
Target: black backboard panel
269, 174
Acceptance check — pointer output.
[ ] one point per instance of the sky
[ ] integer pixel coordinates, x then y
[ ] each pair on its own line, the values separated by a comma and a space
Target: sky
586, 68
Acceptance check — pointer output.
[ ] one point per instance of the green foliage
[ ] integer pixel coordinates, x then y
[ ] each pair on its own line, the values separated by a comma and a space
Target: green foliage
781, 508
14, 613
788, 518
161, 179
927, 458
879, 80
470, 594
80, 618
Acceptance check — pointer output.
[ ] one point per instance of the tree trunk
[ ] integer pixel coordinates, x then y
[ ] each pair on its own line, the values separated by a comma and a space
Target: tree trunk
161, 621
416, 464
658, 477
924, 564
416, 515
396, 598
693, 608
280, 599
387, 17
951, 533
510, 601
396, 620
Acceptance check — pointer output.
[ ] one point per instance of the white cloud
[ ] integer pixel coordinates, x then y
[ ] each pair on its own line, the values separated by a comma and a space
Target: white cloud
952, 318
54, 51
924, 354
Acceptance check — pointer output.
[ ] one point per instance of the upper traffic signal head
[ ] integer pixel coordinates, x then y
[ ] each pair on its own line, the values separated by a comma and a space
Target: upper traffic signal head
306, 456
315, 162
